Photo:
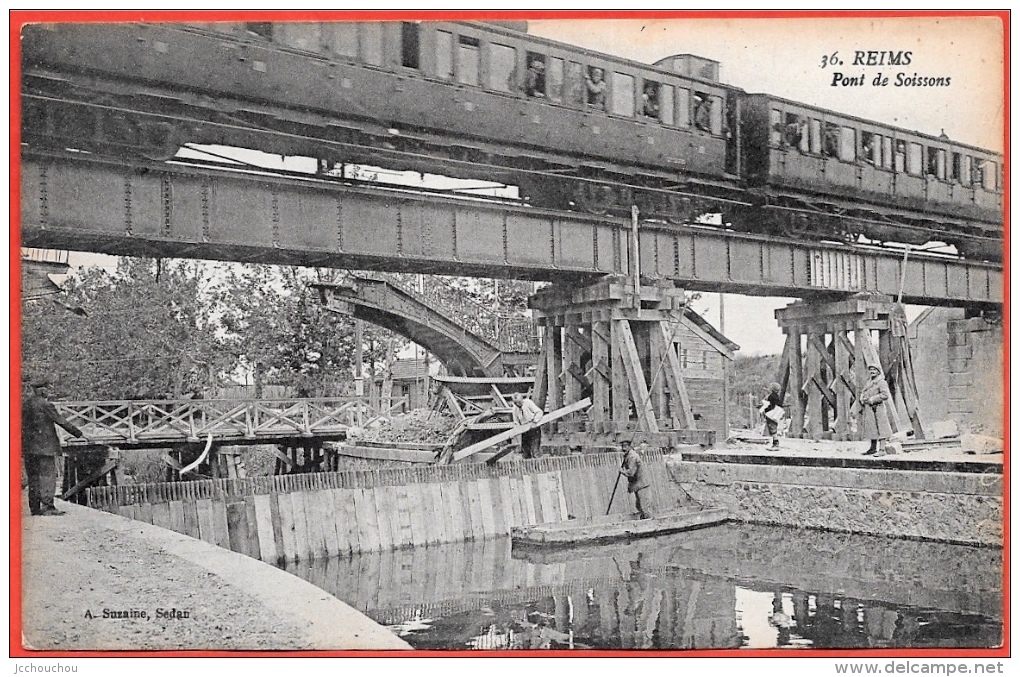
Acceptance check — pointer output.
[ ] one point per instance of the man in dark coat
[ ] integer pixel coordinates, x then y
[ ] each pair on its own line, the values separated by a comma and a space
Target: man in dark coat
637, 477
40, 447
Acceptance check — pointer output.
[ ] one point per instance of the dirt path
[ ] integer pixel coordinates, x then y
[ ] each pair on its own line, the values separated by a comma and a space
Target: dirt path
83, 569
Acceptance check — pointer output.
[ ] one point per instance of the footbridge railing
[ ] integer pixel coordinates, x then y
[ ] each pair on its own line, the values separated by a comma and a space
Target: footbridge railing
156, 423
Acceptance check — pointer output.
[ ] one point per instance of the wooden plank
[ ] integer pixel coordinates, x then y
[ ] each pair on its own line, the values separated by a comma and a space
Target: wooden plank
553, 366
485, 504
237, 526
277, 523
620, 386
302, 546
252, 542
402, 500
657, 364
675, 381
268, 547
449, 523
206, 530
599, 379
796, 385
507, 434
313, 524
341, 522
384, 515
350, 498
473, 512
368, 525
417, 508
527, 496
557, 477
326, 533
435, 517
161, 514
176, 508
289, 536
508, 502
814, 396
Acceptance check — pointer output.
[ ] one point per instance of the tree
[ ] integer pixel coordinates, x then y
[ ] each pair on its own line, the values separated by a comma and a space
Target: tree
147, 333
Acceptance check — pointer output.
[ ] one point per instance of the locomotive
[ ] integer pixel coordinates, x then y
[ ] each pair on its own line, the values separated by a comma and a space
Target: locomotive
571, 128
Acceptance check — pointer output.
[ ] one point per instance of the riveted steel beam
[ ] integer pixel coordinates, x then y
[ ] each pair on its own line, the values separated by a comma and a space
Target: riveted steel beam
98, 205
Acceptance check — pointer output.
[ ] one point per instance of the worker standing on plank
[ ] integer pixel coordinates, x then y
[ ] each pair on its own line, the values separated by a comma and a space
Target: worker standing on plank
637, 478
526, 411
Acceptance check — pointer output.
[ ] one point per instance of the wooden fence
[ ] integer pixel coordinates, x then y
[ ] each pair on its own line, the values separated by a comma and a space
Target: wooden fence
300, 517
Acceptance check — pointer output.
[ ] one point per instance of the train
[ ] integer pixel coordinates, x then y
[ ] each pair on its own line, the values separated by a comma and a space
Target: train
570, 128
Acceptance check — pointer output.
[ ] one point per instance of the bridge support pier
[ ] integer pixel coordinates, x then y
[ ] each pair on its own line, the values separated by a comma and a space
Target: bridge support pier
616, 343
828, 348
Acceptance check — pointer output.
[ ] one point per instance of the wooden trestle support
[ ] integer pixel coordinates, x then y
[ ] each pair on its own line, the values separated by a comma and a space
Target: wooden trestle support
829, 346
615, 342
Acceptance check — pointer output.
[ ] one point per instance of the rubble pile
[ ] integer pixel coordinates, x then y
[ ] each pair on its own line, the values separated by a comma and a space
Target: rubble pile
415, 426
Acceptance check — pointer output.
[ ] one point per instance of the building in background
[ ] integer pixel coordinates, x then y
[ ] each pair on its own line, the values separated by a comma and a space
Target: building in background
958, 369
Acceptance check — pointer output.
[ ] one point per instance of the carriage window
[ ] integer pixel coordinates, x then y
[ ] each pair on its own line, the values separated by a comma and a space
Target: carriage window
444, 55
776, 128
815, 132
990, 175
554, 79
900, 159
534, 75
887, 154
595, 85
371, 43
830, 141
937, 163
871, 148
955, 167
683, 107
304, 36
467, 60
574, 87
342, 38
650, 99
707, 113
666, 104
623, 94
502, 63
409, 45
848, 144
914, 157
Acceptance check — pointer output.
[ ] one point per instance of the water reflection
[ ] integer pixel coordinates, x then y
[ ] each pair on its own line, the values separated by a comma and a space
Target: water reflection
724, 587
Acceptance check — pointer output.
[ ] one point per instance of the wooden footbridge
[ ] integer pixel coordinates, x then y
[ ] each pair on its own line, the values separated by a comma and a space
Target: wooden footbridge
156, 424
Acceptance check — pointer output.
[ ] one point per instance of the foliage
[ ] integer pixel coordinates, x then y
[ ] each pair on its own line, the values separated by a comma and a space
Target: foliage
147, 333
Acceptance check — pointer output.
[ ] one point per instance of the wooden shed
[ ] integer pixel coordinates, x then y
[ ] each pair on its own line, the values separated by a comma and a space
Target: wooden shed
703, 355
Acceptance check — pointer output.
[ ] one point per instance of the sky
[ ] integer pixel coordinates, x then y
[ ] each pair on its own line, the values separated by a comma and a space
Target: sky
785, 57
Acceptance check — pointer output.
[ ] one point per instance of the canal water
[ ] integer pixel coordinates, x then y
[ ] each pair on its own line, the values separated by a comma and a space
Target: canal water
725, 587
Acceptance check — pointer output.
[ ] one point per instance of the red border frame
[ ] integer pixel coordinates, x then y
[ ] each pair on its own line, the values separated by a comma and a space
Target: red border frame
19, 18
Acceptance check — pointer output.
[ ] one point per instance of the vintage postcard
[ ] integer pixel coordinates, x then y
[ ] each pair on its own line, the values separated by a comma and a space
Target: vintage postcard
506, 334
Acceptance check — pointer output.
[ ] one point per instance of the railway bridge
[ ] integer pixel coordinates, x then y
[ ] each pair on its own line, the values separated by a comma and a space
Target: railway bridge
617, 282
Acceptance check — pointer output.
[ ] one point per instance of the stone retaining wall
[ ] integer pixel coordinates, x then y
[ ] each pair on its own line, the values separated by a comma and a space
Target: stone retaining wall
953, 507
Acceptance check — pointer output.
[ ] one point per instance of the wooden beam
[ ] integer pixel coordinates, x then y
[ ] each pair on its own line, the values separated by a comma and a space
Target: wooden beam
812, 377
523, 428
635, 378
498, 398
620, 389
796, 385
452, 404
540, 388
107, 467
601, 374
656, 348
675, 381
553, 367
